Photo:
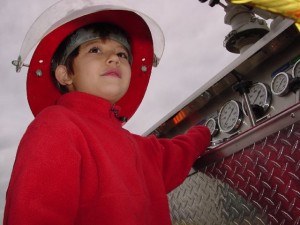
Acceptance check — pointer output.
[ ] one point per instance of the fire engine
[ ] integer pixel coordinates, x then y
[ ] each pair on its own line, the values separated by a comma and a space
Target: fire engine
250, 174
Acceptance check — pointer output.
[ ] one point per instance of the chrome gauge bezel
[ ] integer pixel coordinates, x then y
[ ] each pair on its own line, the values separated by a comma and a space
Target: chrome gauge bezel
212, 125
296, 67
284, 79
235, 116
266, 93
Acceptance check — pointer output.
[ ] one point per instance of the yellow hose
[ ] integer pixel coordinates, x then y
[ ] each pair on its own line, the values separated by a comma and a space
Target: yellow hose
286, 8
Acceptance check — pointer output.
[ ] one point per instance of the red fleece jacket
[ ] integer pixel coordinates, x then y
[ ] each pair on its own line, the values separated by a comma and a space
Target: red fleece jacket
77, 165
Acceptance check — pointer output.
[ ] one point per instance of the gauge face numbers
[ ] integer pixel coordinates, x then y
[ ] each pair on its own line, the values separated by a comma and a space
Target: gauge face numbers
259, 95
280, 84
230, 116
212, 125
296, 69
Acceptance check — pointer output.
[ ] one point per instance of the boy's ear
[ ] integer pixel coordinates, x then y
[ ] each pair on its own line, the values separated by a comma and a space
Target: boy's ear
62, 76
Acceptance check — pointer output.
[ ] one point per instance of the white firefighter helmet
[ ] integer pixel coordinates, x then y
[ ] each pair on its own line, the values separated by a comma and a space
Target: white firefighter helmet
67, 16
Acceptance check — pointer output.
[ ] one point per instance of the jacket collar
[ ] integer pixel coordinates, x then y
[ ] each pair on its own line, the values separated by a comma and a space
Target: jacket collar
88, 105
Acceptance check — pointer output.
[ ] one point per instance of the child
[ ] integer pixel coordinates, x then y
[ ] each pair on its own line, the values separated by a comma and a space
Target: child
76, 164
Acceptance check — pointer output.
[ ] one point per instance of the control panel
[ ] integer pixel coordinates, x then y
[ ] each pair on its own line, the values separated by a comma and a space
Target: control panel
268, 91
257, 87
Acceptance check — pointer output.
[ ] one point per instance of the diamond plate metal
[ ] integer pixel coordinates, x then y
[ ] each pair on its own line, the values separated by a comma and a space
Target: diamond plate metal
208, 201
258, 185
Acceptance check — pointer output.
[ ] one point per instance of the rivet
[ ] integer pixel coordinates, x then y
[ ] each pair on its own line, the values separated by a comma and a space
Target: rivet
293, 115
39, 73
144, 68
41, 61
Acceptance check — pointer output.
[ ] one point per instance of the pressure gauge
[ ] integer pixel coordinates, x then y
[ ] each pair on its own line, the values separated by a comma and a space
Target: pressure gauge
230, 116
260, 97
212, 125
280, 84
296, 69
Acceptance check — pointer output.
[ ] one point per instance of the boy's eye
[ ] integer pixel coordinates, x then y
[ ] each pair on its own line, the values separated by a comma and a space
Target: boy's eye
95, 50
123, 55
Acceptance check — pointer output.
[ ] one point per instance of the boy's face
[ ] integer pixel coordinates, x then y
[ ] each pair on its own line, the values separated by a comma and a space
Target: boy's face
101, 69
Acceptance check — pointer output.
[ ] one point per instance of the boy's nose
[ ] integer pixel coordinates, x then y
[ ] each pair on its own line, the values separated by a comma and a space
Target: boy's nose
113, 58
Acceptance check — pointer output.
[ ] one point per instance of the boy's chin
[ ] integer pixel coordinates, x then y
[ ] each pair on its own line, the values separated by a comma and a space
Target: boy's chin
111, 99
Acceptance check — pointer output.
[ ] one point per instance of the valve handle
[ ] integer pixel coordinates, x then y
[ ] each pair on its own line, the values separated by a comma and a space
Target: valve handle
242, 86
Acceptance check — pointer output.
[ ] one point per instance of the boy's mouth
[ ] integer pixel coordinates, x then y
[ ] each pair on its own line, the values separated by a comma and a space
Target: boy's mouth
113, 73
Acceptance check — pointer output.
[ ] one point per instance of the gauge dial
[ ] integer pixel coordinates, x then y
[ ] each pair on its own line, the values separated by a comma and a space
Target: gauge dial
296, 69
212, 125
230, 116
280, 84
259, 96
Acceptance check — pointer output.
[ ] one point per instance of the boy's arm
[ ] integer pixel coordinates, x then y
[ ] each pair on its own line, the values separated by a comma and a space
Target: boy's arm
44, 186
177, 155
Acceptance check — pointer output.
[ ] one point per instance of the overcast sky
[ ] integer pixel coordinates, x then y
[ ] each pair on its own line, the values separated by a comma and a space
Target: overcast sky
194, 53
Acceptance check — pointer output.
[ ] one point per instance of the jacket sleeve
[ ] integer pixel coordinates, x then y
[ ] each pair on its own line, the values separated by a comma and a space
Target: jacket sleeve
177, 155
44, 185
